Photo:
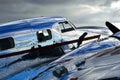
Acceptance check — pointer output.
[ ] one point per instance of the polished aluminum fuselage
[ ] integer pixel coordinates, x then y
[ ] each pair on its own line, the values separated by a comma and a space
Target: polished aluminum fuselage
24, 33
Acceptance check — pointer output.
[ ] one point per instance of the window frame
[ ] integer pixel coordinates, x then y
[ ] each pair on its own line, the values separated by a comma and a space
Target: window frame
64, 28
41, 37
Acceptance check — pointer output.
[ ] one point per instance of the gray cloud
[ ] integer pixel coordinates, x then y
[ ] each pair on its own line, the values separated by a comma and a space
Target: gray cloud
82, 12
49, 2
60, 2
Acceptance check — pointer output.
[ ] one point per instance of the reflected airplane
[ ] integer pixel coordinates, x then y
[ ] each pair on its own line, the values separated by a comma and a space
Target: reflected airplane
23, 36
96, 60
29, 39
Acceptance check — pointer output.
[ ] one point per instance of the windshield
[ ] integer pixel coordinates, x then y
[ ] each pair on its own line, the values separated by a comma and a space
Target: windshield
65, 26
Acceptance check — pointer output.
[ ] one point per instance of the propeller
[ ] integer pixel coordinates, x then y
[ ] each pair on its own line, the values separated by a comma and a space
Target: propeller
112, 28
81, 38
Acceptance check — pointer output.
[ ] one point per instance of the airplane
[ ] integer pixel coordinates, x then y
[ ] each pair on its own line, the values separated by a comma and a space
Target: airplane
21, 36
96, 60
30, 39
100, 55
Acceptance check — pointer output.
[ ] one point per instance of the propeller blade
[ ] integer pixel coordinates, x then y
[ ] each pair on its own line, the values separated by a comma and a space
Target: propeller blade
81, 38
112, 28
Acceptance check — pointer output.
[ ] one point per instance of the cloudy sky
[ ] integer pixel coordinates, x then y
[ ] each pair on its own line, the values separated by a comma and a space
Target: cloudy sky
80, 12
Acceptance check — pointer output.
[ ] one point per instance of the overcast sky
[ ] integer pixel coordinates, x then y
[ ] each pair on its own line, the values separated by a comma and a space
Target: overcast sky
80, 12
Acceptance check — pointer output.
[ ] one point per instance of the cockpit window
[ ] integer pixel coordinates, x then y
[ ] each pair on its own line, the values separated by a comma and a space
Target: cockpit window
6, 43
65, 26
43, 35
